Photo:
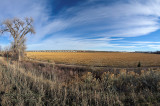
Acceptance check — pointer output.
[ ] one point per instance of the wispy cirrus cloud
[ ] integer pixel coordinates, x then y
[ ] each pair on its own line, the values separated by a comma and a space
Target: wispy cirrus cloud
93, 19
77, 44
119, 20
156, 47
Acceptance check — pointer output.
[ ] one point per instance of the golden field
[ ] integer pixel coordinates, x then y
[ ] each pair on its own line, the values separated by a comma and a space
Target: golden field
98, 58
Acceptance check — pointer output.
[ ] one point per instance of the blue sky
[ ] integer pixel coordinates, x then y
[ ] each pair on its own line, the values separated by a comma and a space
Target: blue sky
109, 25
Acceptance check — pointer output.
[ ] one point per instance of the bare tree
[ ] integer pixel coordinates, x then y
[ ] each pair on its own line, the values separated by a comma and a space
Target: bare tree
18, 29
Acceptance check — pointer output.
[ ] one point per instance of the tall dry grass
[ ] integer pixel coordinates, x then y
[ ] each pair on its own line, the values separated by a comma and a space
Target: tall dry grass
32, 87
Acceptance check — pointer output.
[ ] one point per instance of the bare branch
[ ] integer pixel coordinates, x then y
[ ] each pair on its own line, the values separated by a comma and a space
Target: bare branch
18, 29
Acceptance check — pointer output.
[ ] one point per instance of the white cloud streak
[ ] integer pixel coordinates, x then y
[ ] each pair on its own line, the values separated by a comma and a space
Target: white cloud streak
76, 44
123, 19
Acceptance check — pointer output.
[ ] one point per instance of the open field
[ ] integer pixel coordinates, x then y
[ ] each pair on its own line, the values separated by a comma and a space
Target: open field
43, 83
98, 58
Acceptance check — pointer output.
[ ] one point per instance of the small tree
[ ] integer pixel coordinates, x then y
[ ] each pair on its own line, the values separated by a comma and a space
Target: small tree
18, 29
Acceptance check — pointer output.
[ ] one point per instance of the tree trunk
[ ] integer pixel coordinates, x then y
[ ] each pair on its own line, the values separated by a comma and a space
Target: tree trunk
19, 55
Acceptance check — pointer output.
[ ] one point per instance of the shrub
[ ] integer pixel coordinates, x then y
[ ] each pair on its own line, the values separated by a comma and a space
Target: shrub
139, 64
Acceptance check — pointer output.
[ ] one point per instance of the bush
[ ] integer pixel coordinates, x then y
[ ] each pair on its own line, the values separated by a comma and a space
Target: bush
139, 64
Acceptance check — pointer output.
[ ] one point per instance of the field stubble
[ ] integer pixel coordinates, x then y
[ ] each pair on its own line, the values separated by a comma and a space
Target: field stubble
98, 58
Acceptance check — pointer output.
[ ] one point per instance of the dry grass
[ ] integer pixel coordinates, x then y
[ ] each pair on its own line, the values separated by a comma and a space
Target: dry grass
98, 58
21, 87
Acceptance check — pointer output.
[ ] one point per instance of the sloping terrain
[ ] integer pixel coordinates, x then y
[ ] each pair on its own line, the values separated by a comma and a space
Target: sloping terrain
42, 85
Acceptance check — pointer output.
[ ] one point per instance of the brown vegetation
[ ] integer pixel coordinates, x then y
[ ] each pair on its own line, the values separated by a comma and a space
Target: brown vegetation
44, 84
98, 58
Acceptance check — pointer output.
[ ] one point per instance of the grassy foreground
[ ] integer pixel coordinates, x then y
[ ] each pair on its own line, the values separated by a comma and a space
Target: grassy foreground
20, 86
